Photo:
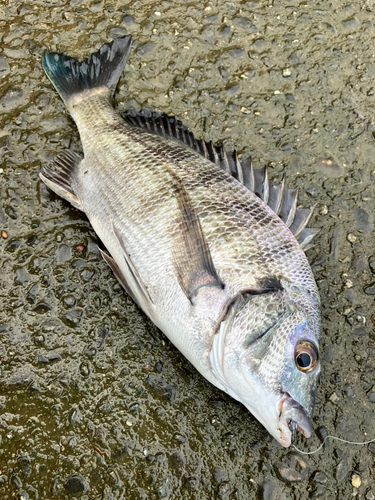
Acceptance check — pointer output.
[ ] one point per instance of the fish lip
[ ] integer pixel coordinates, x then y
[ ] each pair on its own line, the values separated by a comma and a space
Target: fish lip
292, 417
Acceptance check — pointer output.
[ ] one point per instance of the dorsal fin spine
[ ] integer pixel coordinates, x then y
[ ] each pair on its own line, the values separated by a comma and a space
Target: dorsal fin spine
292, 211
266, 188
283, 201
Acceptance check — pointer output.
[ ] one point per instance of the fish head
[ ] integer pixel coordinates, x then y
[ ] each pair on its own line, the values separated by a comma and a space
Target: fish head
266, 355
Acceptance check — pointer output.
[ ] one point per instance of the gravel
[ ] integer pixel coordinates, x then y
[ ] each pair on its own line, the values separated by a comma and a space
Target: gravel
78, 359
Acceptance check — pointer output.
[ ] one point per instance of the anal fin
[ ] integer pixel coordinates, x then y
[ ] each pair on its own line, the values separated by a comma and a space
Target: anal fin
58, 179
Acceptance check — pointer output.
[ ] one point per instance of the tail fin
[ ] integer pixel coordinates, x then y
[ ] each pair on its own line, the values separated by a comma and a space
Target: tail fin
101, 69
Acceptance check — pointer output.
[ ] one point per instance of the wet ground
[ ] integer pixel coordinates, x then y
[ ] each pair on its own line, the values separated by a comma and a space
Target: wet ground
94, 400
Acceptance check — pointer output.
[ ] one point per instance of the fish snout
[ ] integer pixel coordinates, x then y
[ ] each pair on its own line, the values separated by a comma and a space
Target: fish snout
292, 418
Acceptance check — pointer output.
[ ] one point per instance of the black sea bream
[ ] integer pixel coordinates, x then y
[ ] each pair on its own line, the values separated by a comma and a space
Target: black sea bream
194, 237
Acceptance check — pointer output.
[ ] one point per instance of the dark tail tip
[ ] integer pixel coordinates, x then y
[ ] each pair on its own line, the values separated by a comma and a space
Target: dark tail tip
100, 69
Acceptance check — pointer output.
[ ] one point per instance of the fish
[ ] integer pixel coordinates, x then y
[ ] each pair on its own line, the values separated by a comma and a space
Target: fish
206, 245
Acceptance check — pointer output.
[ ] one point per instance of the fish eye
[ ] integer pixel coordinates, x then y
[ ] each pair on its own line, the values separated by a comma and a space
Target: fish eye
306, 356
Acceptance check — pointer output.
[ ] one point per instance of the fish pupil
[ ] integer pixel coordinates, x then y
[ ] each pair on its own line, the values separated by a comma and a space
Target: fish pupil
304, 360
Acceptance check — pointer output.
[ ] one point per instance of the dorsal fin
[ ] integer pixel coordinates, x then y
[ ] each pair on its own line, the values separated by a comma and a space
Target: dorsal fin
281, 200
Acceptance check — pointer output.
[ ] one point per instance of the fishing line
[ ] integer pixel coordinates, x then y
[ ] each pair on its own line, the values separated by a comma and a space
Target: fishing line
332, 437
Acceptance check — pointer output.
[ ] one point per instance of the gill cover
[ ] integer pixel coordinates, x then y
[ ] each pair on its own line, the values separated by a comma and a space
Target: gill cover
257, 365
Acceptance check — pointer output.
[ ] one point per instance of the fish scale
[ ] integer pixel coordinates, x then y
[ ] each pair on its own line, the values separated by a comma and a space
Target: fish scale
205, 258
247, 229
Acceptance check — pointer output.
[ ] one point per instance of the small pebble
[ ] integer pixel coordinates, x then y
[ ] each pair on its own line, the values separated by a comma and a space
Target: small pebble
80, 248
69, 300
182, 439
320, 477
349, 23
370, 495
162, 490
145, 48
362, 220
270, 490
16, 481
4, 235
219, 475
356, 481
177, 462
337, 452
76, 416
245, 111
84, 368
351, 238
318, 491
87, 274
359, 332
349, 391
287, 72
42, 359
40, 339
342, 468
323, 435
312, 191
76, 485
293, 468
129, 423
128, 20
333, 398
241, 22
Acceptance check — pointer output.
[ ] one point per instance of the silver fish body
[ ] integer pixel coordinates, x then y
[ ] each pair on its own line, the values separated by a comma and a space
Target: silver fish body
206, 259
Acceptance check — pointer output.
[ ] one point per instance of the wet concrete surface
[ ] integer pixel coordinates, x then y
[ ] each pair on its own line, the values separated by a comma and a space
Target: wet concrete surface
94, 401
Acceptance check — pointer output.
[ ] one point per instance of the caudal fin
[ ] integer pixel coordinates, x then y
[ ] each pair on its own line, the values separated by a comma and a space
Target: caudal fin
100, 69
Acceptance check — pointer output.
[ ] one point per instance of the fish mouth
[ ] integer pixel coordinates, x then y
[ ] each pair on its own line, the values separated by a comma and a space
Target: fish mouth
292, 418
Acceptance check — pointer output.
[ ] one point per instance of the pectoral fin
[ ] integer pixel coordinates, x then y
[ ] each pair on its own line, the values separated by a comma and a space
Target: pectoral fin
191, 255
118, 273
